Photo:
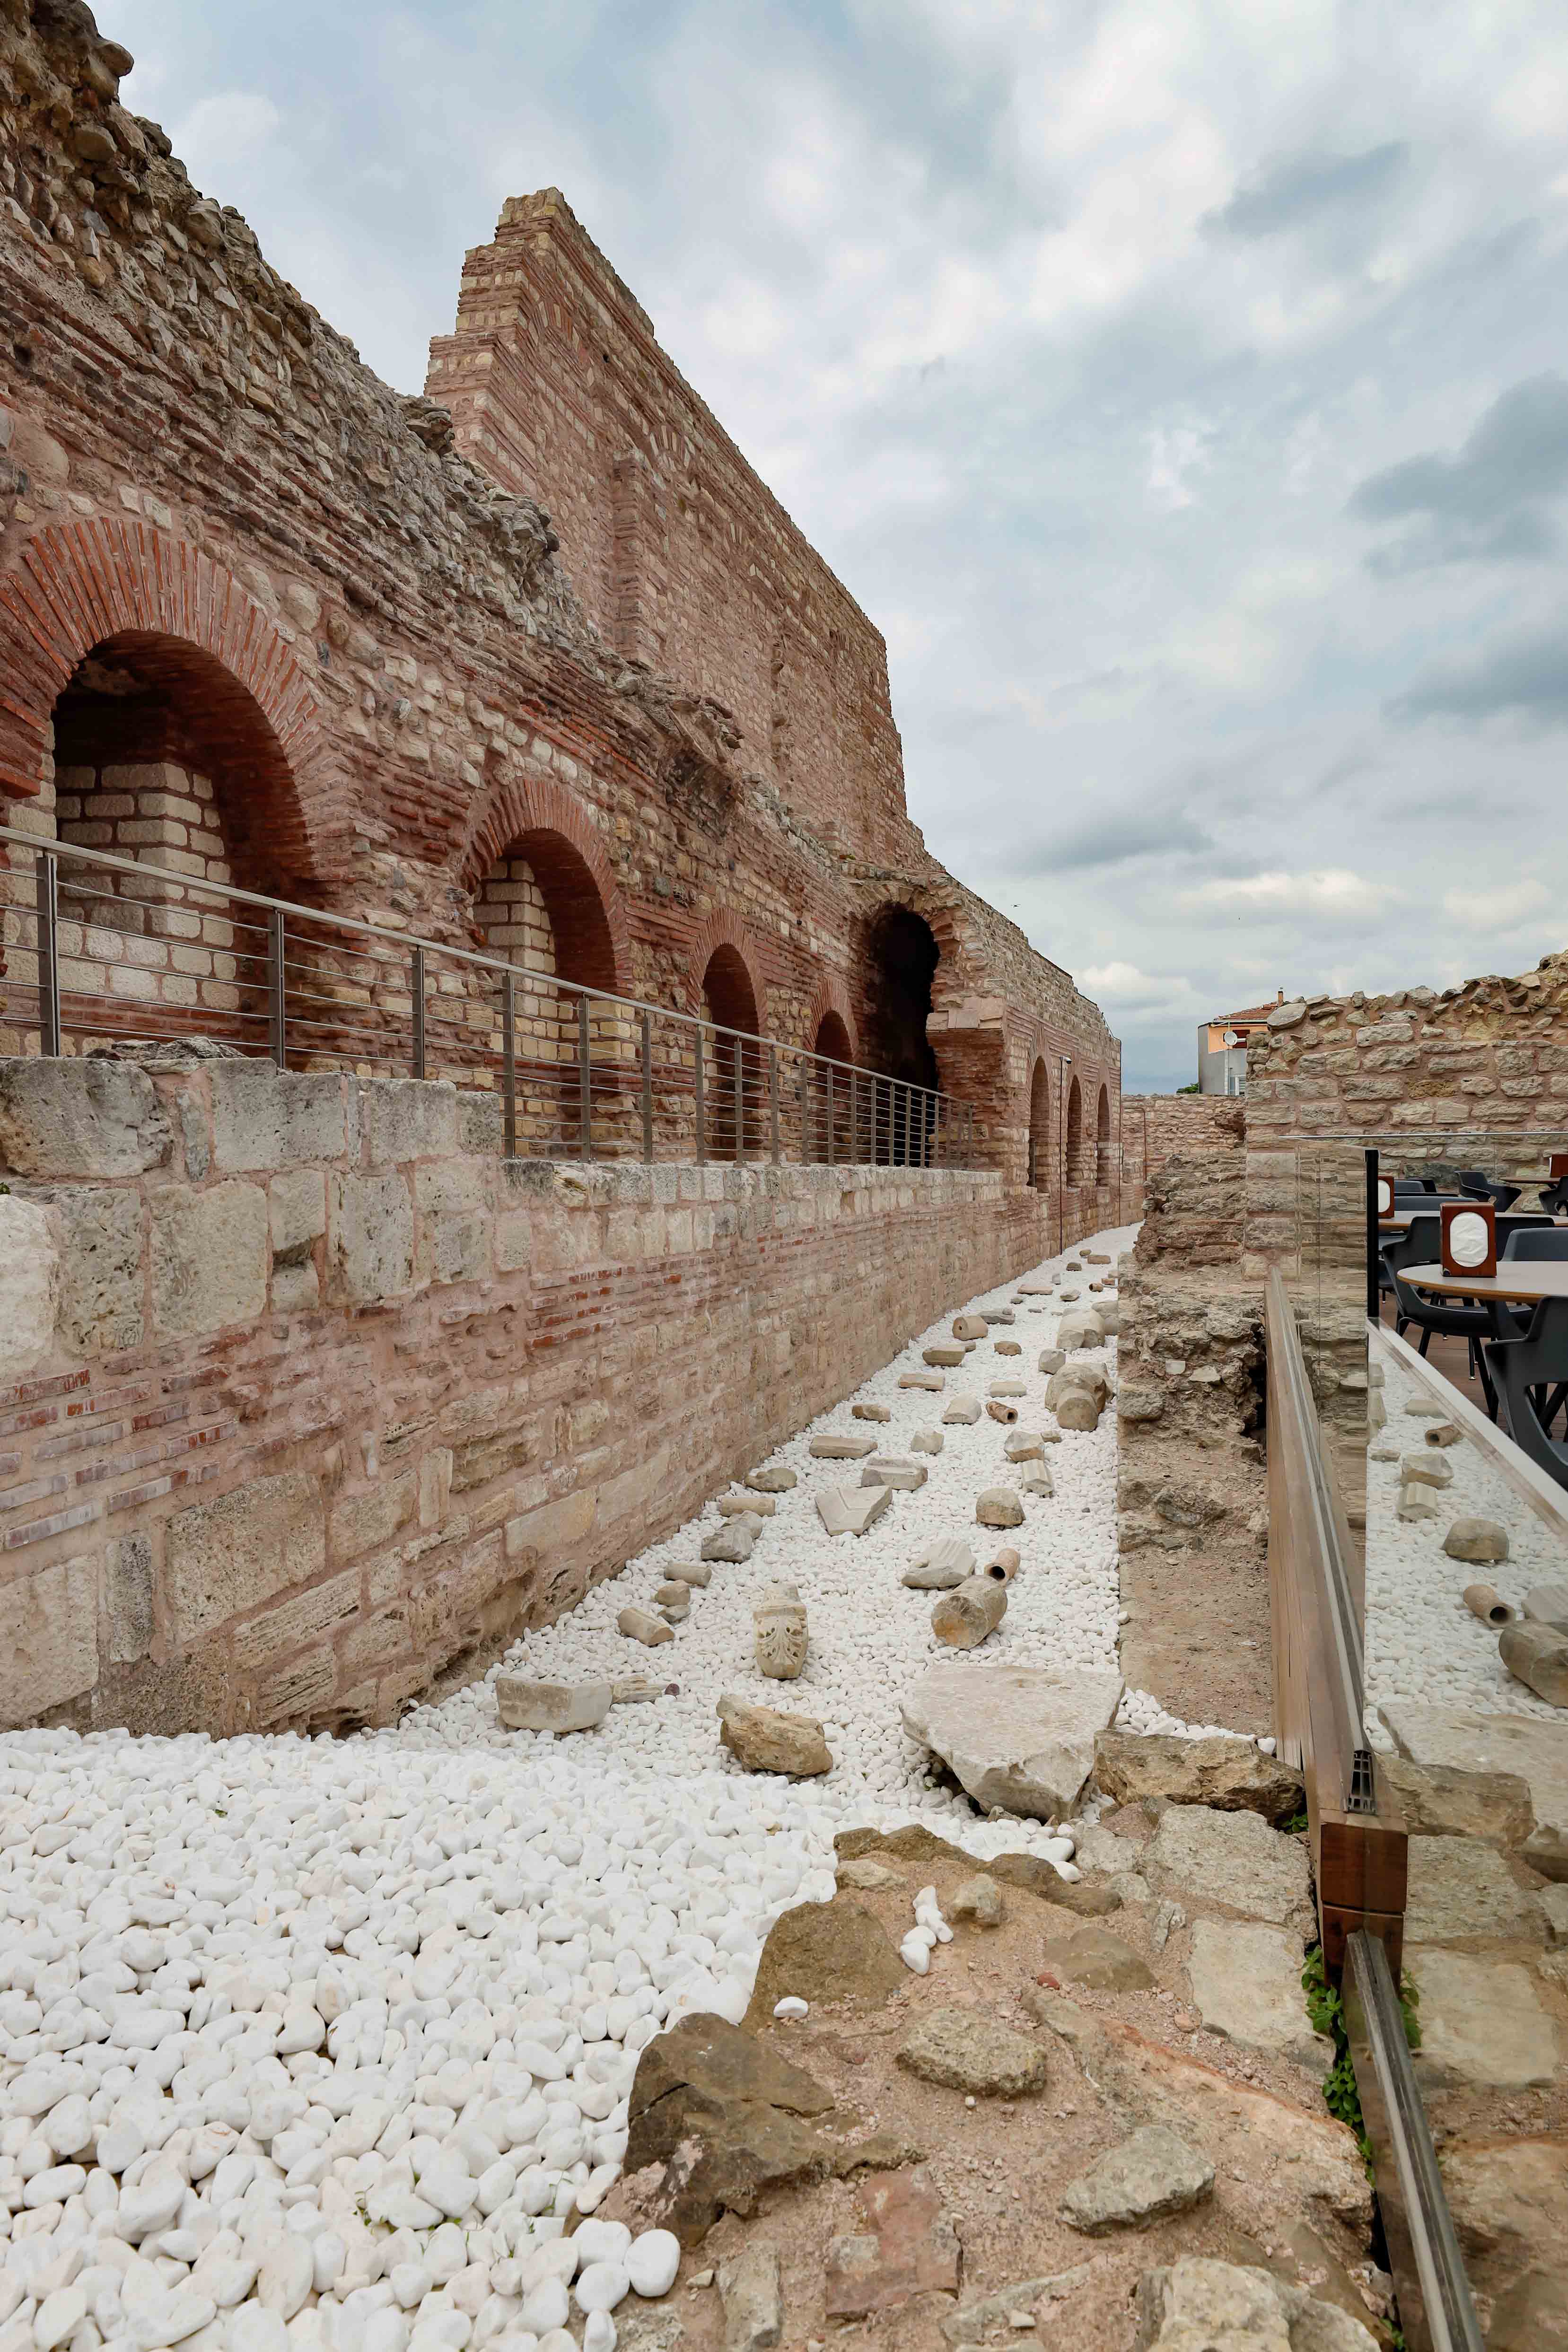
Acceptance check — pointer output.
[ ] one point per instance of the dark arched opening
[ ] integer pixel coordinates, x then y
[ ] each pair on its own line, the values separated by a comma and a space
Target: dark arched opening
832, 1106
163, 758
1103, 1174
1039, 1154
732, 1074
902, 956
539, 906
1077, 1173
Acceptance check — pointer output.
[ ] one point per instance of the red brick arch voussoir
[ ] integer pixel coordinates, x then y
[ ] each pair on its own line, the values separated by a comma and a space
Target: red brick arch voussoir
722, 928
832, 996
76, 585
521, 804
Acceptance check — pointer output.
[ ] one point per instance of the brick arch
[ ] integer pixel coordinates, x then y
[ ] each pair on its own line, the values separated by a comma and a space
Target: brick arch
79, 586
832, 996
724, 929
545, 824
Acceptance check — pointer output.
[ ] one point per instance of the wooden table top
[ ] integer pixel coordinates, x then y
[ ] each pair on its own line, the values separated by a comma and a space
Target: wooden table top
1403, 1219
1525, 1283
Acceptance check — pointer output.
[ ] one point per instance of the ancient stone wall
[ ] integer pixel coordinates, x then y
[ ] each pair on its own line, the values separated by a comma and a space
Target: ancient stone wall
1155, 1128
228, 551
307, 1398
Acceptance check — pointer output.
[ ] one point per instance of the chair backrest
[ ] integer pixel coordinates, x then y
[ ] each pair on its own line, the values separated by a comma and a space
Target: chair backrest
1421, 1246
1537, 1243
1539, 1359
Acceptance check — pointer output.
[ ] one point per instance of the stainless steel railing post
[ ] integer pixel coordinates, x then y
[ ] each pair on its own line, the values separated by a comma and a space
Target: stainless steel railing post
508, 1065
416, 1060
47, 883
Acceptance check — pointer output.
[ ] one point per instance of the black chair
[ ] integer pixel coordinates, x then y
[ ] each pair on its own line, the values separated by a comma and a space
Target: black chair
1555, 1196
1423, 1245
1408, 1191
1533, 1244
1521, 1370
1477, 1185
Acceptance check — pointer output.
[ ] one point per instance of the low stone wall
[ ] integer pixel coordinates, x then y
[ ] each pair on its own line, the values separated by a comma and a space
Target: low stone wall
1157, 1127
307, 1398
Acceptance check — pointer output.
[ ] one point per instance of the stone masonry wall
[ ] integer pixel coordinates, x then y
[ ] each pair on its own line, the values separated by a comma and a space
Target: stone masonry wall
1155, 1128
307, 1398
226, 547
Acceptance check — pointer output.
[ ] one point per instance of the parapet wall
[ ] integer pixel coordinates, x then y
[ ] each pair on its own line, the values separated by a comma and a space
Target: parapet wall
1157, 1127
307, 1398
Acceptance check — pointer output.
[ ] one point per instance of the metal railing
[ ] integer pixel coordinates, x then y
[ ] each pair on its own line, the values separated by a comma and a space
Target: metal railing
103, 950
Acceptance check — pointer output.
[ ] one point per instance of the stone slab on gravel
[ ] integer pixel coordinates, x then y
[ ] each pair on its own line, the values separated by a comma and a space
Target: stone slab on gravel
1232, 1859
998, 1507
1096, 1957
776, 1481
894, 1470
1538, 1656
1536, 1750
1461, 1890
1229, 1775
1482, 2024
734, 1542
850, 1510
1018, 1736
1439, 1801
978, 2322
824, 1952
965, 2050
1485, 1540
1247, 1985
1200, 2305
940, 1565
962, 1412
523, 1705
765, 1739
1149, 2177
751, 2292
833, 1447
870, 1877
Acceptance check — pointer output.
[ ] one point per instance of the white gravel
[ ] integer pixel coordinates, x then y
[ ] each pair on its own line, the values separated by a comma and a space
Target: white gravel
1423, 1645
315, 2043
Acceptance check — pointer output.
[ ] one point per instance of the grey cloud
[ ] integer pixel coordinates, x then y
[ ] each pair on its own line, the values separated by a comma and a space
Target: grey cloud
1527, 679
1117, 840
1294, 190
1486, 502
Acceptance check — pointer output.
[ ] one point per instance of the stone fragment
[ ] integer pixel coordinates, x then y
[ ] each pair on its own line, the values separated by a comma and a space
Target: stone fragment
1023, 1445
1003, 1409
691, 1572
963, 1617
1037, 1482
870, 1412
991, 1315
933, 1381
1232, 1859
756, 1506
926, 1440
1460, 1890
1425, 1470
1247, 1985
824, 1952
734, 1541
1547, 1604
1553, 1901
1417, 1502
776, 1481
727, 2117
1228, 1775
637, 1690
969, 1327
1204, 2306
674, 1594
80, 1116
977, 2323
1537, 1655
1052, 1359
1093, 1955
939, 1565
642, 1626
870, 1877
908, 2248
964, 1409
30, 1243
892, 1470
1498, 1743
850, 1510
943, 1356
525, 1706
965, 2050
1018, 1736
1482, 2024
764, 1740
751, 2292
1442, 1800
833, 1447
1508, 2199
998, 1507
1423, 1409
1006, 1389
1080, 1331
1442, 1432
980, 1899
1146, 2179
779, 1629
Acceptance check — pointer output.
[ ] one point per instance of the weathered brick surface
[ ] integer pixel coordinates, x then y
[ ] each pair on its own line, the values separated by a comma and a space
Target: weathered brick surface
261, 1512
260, 617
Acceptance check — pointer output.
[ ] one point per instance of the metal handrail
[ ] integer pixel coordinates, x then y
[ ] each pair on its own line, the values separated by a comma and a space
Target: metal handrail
903, 1116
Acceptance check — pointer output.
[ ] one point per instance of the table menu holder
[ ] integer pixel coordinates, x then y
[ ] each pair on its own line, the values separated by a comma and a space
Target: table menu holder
1469, 1237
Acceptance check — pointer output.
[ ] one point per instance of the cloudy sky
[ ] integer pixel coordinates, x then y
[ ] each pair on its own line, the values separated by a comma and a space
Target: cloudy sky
1180, 385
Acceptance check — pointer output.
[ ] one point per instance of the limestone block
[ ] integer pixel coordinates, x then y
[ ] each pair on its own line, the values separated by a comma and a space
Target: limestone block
934, 1382
1460, 1889
965, 2050
962, 1412
551, 1527
1498, 1743
297, 1210
89, 1116
990, 1314
1006, 1389
870, 1412
364, 1522
525, 1706
1232, 1859
998, 1507
1482, 2024
1197, 2303
968, 1327
1146, 2179
51, 1650
964, 1616
30, 1283
1023, 1445
211, 1256
642, 1626
370, 1226
1082, 1329
926, 1440
943, 1357
408, 1119
1037, 1482
771, 1482
978, 1898
892, 1470
1445, 1801
100, 1268
691, 1572
740, 1506
1008, 1348
1247, 1985
734, 1540
940, 1565
1425, 1470
831, 1447
764, 1740
850, 1510
453, 1199
1018, 1736
266, 1117
1230, 1775
128, 1592
1417, 1503
779, 1629
236, 1551
751, 2294
1537, 1655
1052, 1360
